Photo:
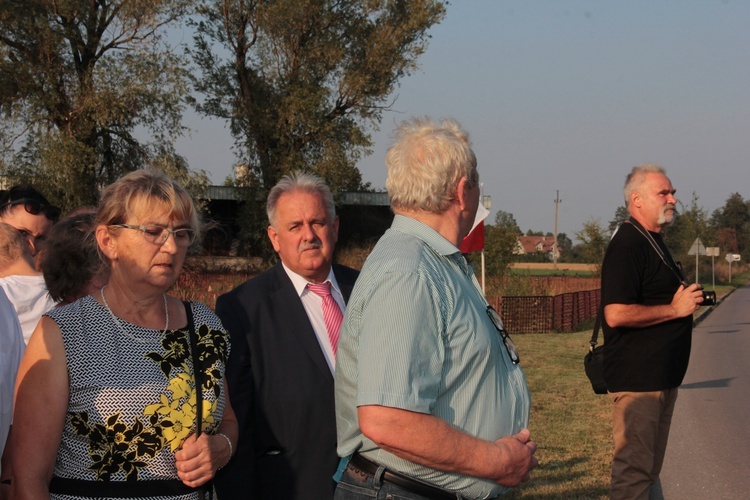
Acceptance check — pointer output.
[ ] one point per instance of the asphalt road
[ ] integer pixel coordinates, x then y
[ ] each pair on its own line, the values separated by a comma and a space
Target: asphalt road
708, 455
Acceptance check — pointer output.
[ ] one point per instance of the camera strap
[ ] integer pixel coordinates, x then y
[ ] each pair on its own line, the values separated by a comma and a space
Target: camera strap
667, 262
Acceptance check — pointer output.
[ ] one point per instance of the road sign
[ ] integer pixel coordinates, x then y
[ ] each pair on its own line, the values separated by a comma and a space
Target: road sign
697, 248
732, 257
713, 252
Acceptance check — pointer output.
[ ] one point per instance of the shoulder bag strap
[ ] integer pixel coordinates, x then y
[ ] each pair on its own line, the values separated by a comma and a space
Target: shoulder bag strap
659, 252
597, 325
197, 369
206, 491
669, 263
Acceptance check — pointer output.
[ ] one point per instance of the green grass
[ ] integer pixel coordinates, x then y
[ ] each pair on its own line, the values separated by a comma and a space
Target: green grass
571, 424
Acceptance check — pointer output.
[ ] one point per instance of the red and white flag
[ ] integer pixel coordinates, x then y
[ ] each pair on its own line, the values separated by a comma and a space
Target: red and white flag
474, 241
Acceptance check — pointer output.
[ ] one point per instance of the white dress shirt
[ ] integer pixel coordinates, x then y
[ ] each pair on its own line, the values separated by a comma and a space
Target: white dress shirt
313, 305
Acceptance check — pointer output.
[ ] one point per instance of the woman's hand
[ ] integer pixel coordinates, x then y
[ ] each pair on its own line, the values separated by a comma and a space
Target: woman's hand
199, 458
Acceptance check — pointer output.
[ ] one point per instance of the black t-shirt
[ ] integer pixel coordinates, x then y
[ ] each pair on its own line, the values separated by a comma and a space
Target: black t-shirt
654, 358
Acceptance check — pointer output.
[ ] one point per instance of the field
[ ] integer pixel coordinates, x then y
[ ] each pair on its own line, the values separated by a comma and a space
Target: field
570, 423
206, 288
550, 267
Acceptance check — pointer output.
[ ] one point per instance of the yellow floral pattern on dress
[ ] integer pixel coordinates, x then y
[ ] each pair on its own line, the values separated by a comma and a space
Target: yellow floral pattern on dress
115, 446
178, 411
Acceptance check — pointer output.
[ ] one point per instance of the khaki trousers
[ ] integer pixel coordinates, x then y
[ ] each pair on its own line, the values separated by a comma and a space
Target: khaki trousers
640, 425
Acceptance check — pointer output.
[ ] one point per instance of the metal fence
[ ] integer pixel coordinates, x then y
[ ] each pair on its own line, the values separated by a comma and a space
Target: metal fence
545, 313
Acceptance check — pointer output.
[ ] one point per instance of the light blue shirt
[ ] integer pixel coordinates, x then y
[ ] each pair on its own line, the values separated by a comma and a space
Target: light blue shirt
416, 336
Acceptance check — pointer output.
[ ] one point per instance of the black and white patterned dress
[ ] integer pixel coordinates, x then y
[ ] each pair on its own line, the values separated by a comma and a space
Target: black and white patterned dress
132, 395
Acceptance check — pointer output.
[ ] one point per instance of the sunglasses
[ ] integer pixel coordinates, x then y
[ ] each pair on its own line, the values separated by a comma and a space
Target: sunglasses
35, 207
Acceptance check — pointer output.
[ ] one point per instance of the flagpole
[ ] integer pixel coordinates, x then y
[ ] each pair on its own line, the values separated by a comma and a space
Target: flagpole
483, 290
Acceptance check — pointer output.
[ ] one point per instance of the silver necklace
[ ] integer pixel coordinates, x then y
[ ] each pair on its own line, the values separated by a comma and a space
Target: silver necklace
122, 329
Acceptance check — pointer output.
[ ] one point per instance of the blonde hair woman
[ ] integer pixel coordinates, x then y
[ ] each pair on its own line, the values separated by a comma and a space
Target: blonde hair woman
107, 404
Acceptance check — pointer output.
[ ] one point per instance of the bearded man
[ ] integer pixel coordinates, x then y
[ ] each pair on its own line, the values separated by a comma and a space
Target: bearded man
648, 313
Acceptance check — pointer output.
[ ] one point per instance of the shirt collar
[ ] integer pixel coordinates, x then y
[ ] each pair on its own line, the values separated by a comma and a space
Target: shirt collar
425, 233
300, 283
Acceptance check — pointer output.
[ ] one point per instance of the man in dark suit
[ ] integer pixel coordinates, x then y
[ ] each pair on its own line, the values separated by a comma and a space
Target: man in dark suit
280, 370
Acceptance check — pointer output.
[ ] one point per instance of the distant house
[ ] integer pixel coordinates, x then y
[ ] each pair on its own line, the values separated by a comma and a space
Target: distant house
530, 245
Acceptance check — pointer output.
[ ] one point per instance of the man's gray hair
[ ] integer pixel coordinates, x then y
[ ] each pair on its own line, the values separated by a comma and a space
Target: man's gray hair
636, 177
304, 182
426, 163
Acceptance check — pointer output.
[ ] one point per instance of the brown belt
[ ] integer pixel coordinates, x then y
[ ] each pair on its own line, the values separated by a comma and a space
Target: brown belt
402, 481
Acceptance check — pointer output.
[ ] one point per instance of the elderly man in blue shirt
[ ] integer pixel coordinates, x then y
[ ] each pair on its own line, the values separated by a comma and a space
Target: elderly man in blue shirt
430, 399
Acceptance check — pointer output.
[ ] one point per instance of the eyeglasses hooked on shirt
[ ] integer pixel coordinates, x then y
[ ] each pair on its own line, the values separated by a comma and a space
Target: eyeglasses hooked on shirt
509, 345
158, 235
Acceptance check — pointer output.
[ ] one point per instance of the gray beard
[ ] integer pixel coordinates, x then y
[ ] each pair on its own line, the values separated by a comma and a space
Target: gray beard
663, 221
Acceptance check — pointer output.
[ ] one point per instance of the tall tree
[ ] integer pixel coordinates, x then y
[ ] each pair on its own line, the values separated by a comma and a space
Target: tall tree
500, 242
726, 240
735, 217
621, 215
300, 81
77, 79
691, 222
594, 240
564, 245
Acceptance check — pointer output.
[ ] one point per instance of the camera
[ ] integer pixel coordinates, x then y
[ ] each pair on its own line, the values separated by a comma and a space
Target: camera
709, 298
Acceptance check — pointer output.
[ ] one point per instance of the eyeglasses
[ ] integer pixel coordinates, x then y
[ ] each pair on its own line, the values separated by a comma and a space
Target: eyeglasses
509, 345
158, 235
35, 207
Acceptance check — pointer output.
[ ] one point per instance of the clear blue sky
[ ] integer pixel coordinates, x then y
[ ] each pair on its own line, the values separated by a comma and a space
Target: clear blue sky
569, 95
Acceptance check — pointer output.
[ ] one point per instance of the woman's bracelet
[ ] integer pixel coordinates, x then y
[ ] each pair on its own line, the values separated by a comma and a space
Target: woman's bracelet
229, 442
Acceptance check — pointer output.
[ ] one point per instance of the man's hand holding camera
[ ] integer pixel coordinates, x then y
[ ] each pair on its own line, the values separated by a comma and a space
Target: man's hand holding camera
687, 299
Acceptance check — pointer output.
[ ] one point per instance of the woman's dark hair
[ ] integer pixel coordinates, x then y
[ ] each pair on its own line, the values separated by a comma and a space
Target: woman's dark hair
70, 258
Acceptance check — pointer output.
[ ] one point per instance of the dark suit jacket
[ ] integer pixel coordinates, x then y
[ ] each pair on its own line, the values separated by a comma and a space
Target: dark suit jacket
281, 389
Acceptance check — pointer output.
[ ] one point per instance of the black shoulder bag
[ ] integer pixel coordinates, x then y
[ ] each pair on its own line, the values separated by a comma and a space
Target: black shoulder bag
593, 362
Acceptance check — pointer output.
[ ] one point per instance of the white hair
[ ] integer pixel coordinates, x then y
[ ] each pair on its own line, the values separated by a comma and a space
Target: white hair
635, 178
426, 163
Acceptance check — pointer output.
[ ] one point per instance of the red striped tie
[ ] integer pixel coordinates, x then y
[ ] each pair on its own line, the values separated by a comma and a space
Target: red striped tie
331, 311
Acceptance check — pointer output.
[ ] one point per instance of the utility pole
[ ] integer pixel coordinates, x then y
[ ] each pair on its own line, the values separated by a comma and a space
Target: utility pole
555, 249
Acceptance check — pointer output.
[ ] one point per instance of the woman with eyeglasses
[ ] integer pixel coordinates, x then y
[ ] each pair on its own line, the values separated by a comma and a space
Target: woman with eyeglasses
107, 404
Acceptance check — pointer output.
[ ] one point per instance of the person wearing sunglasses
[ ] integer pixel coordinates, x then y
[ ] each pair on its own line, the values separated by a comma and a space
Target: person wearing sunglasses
431, 400
122, 393
26, 209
